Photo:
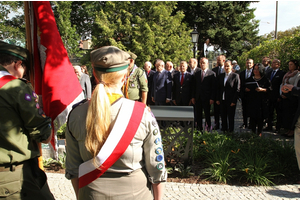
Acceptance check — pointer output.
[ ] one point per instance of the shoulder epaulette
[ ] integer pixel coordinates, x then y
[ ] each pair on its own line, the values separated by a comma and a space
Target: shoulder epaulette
79, 103
24, 80
73, 107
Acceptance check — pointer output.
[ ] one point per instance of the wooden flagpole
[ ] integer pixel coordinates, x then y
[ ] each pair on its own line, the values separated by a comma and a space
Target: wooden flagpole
30, 68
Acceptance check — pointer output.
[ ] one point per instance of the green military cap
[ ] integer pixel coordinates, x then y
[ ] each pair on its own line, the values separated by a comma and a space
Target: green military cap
132, 55
19, 52
109, 59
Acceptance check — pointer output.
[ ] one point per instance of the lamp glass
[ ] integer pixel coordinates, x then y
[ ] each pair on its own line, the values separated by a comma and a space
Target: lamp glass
195, 36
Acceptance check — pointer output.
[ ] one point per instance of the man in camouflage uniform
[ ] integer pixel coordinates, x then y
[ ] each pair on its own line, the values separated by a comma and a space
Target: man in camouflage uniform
135, 86
22, 125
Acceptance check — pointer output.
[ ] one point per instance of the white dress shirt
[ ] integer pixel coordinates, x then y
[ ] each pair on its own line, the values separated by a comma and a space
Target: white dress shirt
225, 80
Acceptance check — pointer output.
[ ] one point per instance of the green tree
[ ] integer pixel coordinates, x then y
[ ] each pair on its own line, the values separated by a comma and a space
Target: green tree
12, 22
229, 25
280, 34
146, 28
62, 11
83, 16
12, 26
284, 49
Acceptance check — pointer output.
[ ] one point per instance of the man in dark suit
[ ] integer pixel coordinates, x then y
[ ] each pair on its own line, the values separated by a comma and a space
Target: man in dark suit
244, 75
193, 63
182, 86
228, 89
162, 84
204, 93
266, 62
149, 74
219, 69
275, 76
169, 67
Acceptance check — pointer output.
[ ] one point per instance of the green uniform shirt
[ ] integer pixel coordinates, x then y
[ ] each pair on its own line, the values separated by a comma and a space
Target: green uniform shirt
22, 122
144, 151
137, 83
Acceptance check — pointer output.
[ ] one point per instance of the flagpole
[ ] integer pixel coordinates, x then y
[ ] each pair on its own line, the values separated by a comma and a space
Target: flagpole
30, 68
29, 41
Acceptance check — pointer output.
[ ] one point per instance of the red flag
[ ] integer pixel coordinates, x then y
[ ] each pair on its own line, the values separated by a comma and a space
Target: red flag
55, 79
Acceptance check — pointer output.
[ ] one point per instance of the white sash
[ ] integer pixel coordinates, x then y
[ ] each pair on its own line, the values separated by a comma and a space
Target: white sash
4, 73
116, 142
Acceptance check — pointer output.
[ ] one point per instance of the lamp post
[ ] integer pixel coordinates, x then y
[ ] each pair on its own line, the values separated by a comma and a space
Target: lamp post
195, 37
276, 17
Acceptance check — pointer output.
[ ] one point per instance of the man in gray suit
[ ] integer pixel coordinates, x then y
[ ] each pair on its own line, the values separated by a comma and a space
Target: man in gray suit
85, 81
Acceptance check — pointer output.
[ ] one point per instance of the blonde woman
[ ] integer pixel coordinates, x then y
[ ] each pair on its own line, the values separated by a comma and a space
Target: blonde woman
114, 146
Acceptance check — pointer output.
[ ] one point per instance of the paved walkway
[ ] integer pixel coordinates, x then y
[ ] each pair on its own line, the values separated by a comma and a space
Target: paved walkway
62, 188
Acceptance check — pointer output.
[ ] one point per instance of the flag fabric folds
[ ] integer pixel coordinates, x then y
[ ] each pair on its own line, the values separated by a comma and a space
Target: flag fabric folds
54, 77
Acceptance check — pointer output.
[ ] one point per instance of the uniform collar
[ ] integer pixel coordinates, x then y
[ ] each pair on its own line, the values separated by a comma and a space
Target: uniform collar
134, 66
2, 68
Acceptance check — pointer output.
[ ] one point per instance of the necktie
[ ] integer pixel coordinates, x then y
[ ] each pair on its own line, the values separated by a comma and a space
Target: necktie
248, 73
272, 75
203, 74
182, 78
225, 78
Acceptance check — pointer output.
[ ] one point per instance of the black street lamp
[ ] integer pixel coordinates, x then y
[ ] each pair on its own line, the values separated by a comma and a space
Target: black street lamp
195, 37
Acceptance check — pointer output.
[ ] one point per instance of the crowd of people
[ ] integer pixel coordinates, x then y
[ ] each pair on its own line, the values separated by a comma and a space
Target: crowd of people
215, 90
219, 89
114, 146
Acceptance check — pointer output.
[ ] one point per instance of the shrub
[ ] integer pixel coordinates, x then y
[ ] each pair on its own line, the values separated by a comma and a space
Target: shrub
61, 131
220, 166
61, 161
244, 157
255, 167
284, 49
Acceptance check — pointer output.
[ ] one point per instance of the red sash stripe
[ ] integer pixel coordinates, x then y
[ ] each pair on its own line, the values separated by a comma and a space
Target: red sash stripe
134, 122
6, 79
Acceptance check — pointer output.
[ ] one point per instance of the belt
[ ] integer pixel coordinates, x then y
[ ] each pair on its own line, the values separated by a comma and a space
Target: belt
12, 167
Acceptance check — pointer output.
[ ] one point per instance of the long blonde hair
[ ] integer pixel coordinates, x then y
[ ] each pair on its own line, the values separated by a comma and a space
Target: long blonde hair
98, 115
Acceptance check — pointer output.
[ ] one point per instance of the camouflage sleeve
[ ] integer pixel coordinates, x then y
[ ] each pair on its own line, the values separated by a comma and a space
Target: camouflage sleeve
35, 122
